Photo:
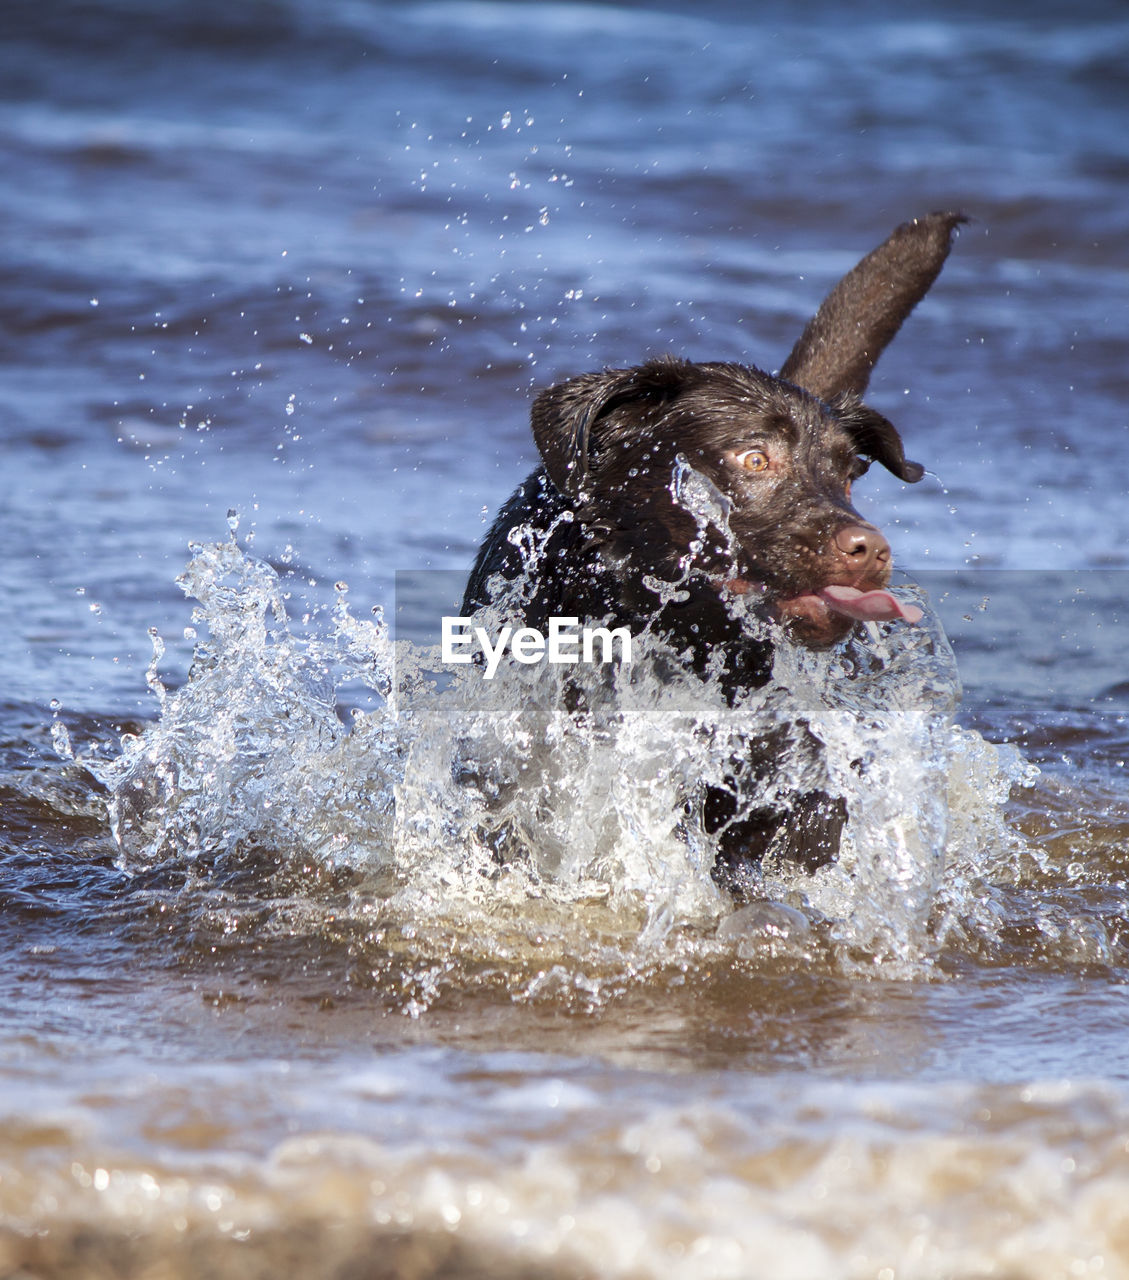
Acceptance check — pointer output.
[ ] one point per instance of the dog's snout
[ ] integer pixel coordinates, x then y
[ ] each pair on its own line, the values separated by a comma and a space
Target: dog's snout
863, 548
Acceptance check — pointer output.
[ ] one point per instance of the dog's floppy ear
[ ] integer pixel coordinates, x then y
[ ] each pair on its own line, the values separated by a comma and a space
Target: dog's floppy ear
566, 418
875, 437
859, 317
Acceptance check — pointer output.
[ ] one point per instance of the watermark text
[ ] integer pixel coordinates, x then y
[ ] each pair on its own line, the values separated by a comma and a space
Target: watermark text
565, 641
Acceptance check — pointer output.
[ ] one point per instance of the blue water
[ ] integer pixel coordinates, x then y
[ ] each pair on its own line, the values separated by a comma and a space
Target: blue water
308, 262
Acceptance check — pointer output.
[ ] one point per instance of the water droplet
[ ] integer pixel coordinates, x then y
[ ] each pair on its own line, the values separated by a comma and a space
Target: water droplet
61, 740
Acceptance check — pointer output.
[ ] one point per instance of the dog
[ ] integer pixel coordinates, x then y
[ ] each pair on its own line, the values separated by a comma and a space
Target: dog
775, 457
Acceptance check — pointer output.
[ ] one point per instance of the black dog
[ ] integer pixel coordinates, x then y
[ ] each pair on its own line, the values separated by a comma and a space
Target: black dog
778, 455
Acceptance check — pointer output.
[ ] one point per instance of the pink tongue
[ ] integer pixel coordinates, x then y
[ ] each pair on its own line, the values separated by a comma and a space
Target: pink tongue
868, 606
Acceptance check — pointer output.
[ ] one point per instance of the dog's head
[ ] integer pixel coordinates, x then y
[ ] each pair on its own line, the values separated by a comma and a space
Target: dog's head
779, 455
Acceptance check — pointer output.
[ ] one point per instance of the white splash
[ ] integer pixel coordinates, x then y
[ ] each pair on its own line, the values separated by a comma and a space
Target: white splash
452, 797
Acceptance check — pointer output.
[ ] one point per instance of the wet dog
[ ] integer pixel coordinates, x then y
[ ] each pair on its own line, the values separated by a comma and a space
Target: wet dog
668, 489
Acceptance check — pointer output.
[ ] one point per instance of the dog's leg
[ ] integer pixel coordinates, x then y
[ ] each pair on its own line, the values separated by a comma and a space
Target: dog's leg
806, 836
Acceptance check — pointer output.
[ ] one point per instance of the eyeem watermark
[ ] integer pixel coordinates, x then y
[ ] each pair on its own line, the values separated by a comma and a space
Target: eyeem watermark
566, 641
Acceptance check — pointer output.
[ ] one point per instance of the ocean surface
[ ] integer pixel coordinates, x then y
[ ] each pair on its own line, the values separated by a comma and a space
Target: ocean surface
278, 281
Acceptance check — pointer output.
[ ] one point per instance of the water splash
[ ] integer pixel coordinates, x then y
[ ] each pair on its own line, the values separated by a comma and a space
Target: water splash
556, 806
882, 705
252, 751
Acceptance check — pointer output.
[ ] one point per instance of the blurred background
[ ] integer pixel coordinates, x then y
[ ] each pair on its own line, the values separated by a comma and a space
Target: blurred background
309, 259
295, 268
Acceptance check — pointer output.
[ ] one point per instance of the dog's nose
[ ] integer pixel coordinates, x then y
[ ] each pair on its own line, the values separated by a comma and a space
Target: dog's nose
864, 548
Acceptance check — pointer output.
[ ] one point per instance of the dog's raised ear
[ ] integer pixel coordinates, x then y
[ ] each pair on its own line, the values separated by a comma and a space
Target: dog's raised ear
859, 317
566, 419
875, 437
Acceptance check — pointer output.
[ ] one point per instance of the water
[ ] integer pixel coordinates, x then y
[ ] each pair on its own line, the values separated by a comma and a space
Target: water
271, 1005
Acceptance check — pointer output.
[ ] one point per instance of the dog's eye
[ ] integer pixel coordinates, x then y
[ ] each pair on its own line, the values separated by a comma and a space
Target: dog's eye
753, 460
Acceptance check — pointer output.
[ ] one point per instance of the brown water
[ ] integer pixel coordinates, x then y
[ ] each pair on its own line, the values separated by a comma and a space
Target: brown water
268, 1004
335, 1044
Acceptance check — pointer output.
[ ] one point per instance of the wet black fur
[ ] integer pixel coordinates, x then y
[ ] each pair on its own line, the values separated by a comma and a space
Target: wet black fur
610, 443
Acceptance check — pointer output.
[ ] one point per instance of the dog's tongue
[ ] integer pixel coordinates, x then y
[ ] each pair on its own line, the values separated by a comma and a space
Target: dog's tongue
868, 606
